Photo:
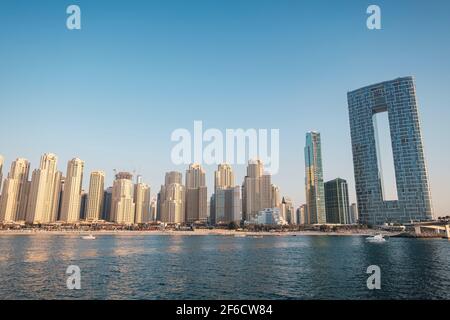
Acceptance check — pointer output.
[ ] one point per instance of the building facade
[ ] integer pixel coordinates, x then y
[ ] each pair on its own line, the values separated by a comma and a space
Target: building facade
397, 98
228, 205
142, 202
95, 196
336, 201
196, 195
44, 191
171, 199
256, 190
122, 205
71, 200
13, 202
315, 194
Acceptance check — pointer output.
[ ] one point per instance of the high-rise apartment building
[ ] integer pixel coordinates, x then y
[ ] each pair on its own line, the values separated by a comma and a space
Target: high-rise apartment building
71, 200
226, 202
95, 196
287, 210
83, 205
276, 197
302, 215
122, 202
196, 194
142, 202
336, 201
315, 195
256, 190
353, 213
223, 176
44, 191
13, 202
397, 98
107, 204
171, 199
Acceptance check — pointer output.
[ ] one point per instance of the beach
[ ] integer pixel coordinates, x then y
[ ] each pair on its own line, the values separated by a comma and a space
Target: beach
196, 232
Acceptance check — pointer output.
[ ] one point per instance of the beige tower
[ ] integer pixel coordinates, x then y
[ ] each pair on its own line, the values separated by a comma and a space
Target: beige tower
196, 194
153, 209
256, 190
122, 206
44, 191
15, 192
71, 199
142, 202
223, 177
95, 196
172, 199
276, 197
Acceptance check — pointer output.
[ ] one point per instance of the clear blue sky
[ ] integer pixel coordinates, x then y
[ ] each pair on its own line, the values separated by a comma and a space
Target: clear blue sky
112, 92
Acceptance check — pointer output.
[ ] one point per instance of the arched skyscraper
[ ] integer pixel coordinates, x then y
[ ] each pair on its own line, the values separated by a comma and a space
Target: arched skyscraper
398, 98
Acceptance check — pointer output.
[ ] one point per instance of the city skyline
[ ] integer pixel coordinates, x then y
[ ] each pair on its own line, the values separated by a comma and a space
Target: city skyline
285, 58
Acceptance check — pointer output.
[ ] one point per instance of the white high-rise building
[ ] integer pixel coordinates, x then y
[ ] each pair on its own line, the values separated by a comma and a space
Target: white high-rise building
153, 209
287, 211
172, 199
15, 192
95, 196
276, 197
196, 194
223, 177
142, 202
226, 203
71, 199
256, 190
44, 191
122, 206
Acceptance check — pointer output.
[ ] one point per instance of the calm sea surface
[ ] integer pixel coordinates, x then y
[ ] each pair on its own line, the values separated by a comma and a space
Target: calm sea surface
221, 267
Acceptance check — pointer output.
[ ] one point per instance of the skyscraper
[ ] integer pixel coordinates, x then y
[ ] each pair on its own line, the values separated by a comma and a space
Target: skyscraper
336, 201
153, 209
171, 200
276, 198
122, 205
353, 213
71, 201
226, 200
287, 210
83, 205
315, 196
95, 196
302, 215
44, 191
256, 190
142, 201
223, 176
107, 203
13, 202
196, 194
397, 98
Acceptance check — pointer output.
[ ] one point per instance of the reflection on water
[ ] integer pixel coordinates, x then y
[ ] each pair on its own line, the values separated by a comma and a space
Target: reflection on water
219, 267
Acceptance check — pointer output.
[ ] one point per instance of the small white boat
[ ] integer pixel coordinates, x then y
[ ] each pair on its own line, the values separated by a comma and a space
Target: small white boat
376, 238
89, 237
240, 235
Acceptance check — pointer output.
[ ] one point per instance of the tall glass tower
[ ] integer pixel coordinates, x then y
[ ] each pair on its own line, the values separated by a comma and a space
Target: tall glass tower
315, 195
397, 98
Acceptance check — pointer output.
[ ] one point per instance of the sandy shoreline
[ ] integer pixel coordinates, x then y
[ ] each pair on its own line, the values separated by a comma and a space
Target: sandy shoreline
198, 232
